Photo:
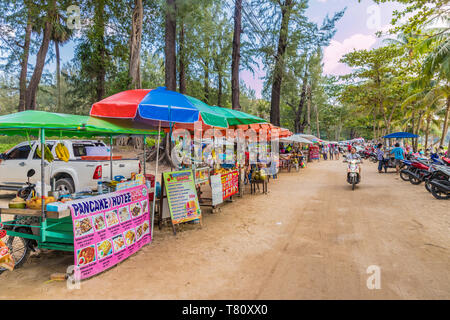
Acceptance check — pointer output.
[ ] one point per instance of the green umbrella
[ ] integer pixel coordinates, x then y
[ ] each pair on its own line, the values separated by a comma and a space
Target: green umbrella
235, 117
55, 124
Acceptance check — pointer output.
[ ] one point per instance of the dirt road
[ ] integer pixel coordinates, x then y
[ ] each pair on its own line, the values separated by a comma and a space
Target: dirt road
311, 237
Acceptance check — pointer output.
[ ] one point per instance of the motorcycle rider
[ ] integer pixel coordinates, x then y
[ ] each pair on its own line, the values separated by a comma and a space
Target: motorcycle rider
354, 156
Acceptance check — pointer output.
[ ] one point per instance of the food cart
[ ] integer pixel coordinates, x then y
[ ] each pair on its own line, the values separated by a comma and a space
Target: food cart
389, 160
49, 223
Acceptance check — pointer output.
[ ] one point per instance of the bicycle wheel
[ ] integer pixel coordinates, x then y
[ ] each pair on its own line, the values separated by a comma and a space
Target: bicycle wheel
19, 249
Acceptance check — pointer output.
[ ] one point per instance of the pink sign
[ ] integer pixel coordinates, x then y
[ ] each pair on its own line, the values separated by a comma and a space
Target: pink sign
109, 228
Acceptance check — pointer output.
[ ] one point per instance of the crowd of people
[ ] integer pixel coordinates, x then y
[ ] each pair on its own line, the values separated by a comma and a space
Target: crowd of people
330, 151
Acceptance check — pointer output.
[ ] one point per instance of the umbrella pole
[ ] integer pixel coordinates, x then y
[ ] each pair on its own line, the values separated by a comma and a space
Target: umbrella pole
144, 153
111, 157
43, 175
156, 175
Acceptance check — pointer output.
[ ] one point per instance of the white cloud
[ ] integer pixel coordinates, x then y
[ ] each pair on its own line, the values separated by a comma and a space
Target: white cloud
334, 52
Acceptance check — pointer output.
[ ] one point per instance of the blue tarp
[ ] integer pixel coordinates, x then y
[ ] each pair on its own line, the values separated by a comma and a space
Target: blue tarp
401, 135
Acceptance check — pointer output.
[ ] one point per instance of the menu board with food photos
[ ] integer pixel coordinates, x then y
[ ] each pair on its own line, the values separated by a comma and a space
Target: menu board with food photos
109, 228
182, 196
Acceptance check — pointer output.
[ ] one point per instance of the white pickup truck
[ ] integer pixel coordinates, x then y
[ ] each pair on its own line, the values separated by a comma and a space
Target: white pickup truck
81, 172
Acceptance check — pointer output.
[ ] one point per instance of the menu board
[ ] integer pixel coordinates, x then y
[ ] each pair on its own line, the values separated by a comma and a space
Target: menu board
230, 184
182, 196
216, 189
109, 228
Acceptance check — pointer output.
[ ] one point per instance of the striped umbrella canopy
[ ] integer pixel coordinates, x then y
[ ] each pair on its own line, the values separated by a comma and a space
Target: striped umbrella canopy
157, 106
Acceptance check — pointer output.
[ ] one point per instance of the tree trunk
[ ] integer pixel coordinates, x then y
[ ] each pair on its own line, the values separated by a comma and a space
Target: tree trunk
220, 89
134, 70
308, 111
236, 56
445, 126
317, 121
206, 84
375, 123
419, 125
170, 46
30, 102
297, 126
24, 63
427, 131
181, 57
58, 74
279, 63
100, 47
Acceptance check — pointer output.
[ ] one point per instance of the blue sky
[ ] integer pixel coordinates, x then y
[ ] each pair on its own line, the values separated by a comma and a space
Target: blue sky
356, 30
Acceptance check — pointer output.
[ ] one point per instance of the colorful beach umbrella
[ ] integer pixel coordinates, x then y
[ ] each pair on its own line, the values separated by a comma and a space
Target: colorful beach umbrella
157, 106
235, 117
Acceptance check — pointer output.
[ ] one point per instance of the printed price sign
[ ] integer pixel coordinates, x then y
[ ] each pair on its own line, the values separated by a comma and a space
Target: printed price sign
109, 228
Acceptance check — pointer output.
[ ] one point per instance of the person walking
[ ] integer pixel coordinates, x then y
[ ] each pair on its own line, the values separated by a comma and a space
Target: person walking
331, 151
325, 152
336, 152
380, 157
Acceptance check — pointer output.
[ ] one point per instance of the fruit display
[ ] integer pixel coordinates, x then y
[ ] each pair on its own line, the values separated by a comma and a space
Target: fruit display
48, 155
259, 175
36, 203
223, 171
62, 152
17, 203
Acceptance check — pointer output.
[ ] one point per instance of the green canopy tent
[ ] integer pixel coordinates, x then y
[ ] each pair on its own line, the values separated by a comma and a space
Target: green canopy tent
56, 124
41, 123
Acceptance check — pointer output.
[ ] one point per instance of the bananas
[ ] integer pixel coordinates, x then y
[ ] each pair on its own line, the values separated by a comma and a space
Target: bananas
47, 153
62, 152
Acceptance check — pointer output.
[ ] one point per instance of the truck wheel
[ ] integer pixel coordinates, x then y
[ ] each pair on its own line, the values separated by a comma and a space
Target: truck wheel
64, 186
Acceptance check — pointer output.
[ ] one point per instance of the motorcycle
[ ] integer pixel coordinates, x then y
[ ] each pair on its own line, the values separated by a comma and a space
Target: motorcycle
438, 183
29, 190
418, 171
404, 173
353, 176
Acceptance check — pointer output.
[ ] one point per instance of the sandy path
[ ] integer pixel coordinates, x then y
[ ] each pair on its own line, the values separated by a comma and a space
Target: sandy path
311, 237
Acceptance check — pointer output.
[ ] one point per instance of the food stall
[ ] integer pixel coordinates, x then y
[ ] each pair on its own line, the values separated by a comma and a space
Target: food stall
101, 227
296, 157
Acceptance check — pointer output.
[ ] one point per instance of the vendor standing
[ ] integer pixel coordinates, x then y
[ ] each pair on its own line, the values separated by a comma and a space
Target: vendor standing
399, 155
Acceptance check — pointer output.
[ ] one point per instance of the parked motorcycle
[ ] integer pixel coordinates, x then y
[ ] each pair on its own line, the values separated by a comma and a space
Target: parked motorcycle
438, 183
29, 190
418, 171
407, 167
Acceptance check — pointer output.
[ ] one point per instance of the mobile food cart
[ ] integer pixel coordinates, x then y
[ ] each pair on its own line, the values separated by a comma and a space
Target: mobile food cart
83, 223
389, 160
